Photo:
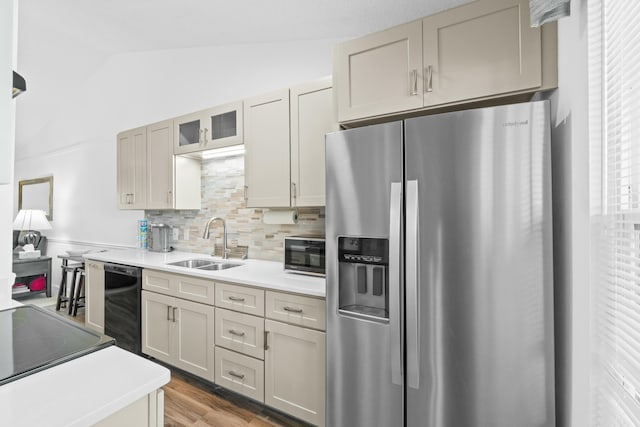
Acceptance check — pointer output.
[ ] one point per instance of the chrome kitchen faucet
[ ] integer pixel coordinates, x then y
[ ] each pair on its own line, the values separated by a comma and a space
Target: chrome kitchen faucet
205, 235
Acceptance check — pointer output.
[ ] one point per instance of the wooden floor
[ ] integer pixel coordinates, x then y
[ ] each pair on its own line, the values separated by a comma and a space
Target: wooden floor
191, 402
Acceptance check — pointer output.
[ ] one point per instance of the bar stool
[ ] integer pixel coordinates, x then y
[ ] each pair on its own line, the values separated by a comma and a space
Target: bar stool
62, 291
78, 295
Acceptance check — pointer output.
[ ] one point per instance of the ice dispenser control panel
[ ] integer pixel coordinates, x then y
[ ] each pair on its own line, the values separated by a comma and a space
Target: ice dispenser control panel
363, 275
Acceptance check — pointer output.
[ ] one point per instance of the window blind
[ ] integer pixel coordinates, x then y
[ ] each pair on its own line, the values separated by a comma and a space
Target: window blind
614, 64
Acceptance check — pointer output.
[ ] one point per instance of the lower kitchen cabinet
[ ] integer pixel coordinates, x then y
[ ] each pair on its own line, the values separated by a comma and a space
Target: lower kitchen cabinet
94, 295
179, 332
146, 411
294, 364
240, 373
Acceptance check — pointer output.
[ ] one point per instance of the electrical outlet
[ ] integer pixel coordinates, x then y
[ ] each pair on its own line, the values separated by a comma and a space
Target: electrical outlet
176, 233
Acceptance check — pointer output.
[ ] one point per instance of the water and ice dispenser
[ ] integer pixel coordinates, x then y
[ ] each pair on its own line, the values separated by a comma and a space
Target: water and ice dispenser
363, 277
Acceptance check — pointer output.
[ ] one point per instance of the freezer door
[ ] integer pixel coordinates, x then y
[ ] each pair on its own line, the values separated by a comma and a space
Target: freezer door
479, 324
363, 231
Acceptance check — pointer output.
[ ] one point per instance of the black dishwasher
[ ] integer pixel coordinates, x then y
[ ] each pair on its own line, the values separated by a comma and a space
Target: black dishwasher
122, 290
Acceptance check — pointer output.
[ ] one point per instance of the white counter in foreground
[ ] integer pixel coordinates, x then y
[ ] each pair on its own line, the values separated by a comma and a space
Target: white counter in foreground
80, 392
252, 272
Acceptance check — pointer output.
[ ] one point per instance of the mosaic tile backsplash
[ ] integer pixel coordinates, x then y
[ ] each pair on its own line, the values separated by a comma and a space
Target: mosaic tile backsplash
223, 196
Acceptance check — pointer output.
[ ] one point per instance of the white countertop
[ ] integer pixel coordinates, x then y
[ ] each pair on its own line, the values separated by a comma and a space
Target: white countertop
79, 392
252, 272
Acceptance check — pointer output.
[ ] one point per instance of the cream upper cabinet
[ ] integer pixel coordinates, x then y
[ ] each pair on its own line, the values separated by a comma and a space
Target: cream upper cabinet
266, 140
215, 127
294, 369
160, 166
478, 51
132, 162
150, 176
179, 332
379, 73
311, 118
94, 296
481, 49
173, 182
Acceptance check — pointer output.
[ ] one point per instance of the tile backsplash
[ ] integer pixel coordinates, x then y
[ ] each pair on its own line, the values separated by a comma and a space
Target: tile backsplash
223, 196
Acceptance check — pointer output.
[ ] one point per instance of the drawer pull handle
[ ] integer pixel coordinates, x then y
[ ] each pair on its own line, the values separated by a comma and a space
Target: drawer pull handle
236, 333
236, 299
234, 374
174, 314
292, 310
266, 344
168, 312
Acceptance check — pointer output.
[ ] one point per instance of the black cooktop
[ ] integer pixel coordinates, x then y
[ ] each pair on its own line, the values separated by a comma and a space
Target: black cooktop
33, 339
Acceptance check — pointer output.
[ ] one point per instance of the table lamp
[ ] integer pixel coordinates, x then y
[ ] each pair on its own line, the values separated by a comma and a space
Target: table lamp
31, 220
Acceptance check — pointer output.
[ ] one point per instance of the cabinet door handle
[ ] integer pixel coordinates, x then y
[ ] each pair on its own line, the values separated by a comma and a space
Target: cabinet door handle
294, 192
236, 299
201, 140
168, 311
266, 340
174, 314
292, 310
236, 333
206, 139
169, 197
234, 374
430, 78
414, 82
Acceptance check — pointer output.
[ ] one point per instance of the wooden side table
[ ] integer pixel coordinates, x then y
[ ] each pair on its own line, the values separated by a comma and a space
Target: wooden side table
32, 267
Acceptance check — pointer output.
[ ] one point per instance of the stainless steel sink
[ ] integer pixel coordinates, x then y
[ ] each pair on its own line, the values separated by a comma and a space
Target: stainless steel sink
192, 263
204, 264
218, 266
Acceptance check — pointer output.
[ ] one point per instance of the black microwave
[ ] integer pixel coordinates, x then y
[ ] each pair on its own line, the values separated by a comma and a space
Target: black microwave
304, 254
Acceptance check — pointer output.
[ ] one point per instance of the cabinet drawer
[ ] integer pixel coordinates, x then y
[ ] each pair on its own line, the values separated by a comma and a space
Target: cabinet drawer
194, 289
177, 285
240, 298
296, 309
156, 281
242, 374
240, 332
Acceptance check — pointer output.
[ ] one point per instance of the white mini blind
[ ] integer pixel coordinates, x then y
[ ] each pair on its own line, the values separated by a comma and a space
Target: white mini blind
616, 398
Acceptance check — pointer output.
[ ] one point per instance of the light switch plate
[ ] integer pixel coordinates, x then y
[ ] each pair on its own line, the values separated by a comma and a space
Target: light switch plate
176, 233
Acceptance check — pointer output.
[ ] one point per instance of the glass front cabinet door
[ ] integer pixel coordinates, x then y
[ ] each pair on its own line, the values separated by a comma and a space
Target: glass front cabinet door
212, 128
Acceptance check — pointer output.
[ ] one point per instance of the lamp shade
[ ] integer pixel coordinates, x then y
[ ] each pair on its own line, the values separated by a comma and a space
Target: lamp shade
31, 219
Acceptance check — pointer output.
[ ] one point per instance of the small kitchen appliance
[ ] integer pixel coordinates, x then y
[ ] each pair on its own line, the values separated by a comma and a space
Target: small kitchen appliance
304, 254
158, 239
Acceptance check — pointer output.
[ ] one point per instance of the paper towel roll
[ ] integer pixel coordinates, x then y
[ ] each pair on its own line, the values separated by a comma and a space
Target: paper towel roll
280, 217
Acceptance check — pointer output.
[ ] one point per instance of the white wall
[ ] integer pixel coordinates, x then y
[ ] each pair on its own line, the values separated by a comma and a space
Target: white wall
570, 154
76, 142
6, 145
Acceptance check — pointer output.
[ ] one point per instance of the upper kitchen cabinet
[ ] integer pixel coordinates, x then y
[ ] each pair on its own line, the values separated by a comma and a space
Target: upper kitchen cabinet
379, 73
311, 118
284, 144
482, 49
266, 140
478, 51
132, 168
173, 182
215, 127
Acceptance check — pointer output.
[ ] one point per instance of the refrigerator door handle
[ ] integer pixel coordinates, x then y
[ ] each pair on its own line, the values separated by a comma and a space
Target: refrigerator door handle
395, 214
412, 294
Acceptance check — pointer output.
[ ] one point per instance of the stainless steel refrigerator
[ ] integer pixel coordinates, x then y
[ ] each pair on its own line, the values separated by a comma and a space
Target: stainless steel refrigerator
439, 271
